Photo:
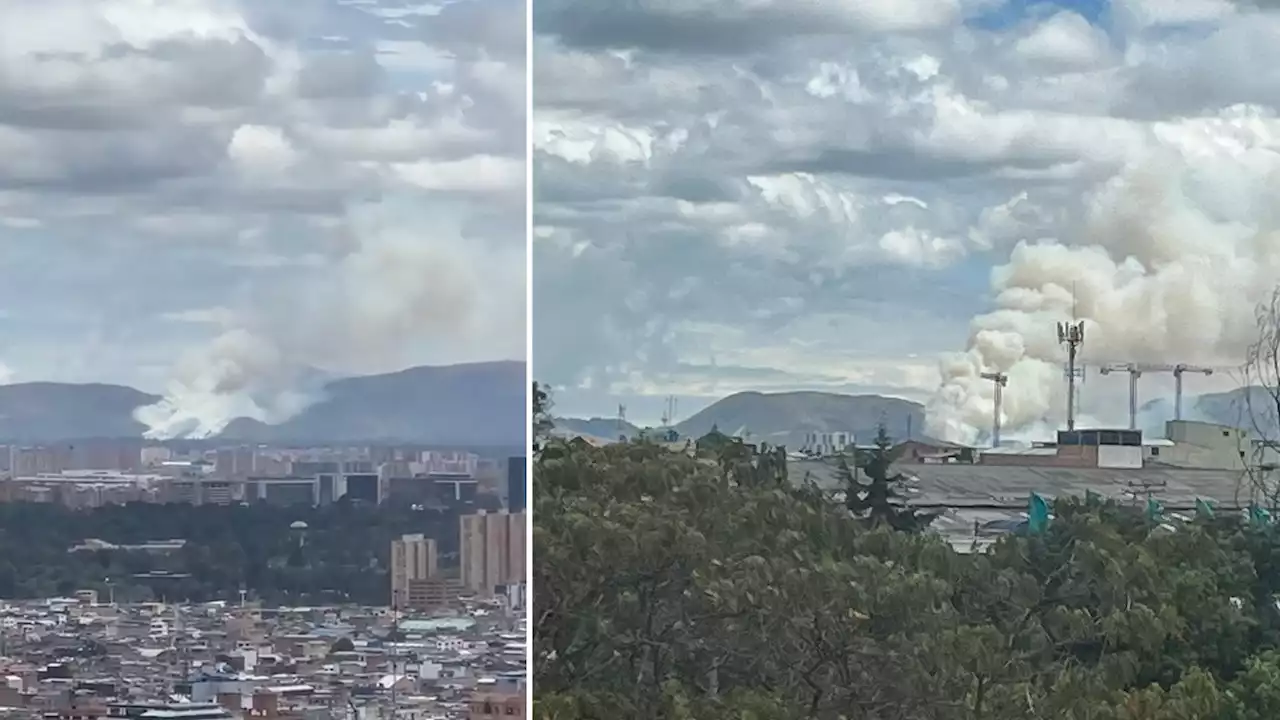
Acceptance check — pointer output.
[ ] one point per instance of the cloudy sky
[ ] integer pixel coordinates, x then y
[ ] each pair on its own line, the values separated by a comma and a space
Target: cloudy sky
748, 194
173, 171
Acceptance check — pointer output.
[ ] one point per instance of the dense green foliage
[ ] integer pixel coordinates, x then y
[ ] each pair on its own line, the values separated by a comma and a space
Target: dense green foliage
542, 424
344, 557
669, 586
876, 494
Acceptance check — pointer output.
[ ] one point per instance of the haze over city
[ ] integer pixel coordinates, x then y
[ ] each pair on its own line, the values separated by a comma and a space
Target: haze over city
754, 198
227, 201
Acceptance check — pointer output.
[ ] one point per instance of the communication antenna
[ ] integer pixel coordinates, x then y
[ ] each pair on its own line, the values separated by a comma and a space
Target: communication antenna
1071, 334
1078, 373
669, 415
622, 420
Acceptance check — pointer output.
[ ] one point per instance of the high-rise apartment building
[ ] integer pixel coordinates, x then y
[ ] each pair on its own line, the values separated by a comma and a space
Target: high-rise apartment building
516, 483
492, 547
413, 557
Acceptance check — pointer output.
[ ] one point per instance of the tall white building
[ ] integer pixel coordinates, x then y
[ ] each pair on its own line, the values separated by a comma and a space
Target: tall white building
492, 546
413, 557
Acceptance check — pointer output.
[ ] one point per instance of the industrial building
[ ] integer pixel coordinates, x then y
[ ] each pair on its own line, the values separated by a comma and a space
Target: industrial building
980, 489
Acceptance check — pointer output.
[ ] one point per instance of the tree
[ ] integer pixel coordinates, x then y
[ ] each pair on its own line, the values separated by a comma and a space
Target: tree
542, 423
674, 586
226, 548
879, 498
342, 644
1261, 386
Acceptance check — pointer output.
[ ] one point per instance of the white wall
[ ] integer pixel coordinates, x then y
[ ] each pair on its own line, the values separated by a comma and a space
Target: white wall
1119, 456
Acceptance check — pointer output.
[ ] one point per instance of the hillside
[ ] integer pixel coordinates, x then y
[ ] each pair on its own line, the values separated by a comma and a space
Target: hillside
784, 418
45, 411
779, 418
1234, 408
596, 427
473, 404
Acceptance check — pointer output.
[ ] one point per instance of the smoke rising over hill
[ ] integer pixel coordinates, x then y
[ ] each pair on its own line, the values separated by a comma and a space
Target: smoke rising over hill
355, 314
1168, 266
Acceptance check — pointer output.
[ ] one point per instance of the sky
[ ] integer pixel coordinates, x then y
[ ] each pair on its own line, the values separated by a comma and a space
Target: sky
339, 184
893, 197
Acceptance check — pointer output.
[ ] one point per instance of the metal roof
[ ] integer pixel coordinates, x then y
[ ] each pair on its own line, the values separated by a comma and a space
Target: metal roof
968, 485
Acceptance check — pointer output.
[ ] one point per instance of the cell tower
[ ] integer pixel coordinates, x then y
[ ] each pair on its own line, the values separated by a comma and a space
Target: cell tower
1071, 334
622, 421
669, 416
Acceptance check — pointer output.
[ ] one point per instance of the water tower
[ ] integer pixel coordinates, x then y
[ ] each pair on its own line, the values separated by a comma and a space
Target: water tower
298, 529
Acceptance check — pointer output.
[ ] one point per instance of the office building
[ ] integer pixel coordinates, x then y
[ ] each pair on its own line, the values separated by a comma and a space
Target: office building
492, 546
434, 594
364, 487
516, 485
283, 490
413, 557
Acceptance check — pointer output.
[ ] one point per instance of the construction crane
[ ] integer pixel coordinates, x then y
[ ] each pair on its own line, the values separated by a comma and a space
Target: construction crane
1000, 380
1177, 383
1136, 370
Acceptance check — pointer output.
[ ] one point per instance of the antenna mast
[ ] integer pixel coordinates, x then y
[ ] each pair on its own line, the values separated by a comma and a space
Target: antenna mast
669, 416
1072, 335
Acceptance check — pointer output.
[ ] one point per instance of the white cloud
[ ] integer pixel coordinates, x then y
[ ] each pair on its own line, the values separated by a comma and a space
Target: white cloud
253, 159
796, 204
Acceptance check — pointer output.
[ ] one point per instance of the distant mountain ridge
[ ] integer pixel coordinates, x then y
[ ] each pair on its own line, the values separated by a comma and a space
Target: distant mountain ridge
785, 418
1232, 408
596, 427
473, 404
780, 418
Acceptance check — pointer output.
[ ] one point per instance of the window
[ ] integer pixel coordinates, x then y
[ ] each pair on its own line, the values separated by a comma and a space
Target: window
1155, 452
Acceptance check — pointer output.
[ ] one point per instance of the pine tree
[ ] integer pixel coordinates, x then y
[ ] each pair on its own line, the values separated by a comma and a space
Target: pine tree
878, 495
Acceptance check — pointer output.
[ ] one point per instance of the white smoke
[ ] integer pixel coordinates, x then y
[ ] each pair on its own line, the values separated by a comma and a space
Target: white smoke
396, 284
1170, 261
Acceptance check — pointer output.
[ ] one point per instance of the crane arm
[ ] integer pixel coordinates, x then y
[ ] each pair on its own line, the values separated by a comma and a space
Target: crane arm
1181, 368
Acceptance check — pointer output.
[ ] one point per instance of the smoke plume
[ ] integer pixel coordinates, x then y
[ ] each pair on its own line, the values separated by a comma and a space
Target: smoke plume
393, 286
1167, 266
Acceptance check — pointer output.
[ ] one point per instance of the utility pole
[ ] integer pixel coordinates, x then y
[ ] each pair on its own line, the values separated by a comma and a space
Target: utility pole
395, 650
1000, 380
1072, 335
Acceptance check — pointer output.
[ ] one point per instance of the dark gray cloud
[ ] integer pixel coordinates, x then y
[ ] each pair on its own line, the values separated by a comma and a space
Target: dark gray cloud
732, 28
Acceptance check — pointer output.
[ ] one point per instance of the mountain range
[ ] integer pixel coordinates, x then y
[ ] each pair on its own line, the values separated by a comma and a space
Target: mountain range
785, 418
474, 404
778, 418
